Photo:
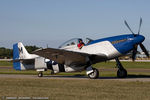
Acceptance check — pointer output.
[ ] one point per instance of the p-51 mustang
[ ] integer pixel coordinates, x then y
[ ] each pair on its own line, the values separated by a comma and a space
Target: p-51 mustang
69, 58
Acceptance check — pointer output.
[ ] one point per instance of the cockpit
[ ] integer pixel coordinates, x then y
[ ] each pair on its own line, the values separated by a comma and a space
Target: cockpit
74, 42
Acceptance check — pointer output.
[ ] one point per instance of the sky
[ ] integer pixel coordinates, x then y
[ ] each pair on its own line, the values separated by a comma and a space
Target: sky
52, 22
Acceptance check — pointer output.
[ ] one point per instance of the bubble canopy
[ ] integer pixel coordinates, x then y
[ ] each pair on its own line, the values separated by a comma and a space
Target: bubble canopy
70, 42
74, 41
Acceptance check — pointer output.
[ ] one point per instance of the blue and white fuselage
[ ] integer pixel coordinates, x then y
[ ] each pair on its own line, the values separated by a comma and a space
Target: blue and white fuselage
69, 58
72, 56
112, 47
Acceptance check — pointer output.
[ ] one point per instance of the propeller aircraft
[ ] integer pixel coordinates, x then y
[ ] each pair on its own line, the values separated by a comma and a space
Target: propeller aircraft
69, 58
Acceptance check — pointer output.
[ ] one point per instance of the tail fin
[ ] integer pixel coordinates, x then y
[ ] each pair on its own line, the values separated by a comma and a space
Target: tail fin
19, 51
22, 60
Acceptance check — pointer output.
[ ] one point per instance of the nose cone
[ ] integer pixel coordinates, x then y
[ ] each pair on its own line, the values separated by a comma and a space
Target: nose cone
139, 39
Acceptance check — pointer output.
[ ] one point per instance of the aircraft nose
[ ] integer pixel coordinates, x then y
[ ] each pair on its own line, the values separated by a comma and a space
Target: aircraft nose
139, 39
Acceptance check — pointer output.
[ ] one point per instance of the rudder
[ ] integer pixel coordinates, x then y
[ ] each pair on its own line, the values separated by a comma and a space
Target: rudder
19, 52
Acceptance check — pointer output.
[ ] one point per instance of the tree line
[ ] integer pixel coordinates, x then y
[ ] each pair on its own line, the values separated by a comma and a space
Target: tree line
6, 53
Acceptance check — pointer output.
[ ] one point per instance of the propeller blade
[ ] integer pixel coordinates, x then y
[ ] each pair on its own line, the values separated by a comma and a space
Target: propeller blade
134, 52
128, 27
144, 50
140, 26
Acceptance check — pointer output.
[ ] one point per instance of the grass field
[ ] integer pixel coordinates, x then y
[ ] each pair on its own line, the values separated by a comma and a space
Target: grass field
112, 64
58, 89
5, 63
70, 89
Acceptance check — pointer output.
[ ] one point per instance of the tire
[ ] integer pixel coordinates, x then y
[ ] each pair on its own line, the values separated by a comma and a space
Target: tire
122, 73
94, 74
40, 74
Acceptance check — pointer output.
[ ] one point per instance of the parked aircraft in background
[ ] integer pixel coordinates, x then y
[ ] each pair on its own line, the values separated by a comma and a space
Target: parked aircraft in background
69, 58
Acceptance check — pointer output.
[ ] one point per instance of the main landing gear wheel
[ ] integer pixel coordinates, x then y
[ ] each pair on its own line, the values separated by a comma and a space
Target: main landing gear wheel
40, 74
121, 73
94, 74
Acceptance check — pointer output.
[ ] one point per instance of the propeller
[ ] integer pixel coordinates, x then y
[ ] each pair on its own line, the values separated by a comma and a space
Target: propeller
140, 26
134, 52
129, 27
144, 50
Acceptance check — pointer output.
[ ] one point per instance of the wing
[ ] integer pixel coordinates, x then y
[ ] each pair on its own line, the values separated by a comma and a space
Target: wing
65, 57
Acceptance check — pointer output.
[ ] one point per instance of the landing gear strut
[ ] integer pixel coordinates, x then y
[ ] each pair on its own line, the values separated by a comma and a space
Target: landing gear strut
121, 73
40, 74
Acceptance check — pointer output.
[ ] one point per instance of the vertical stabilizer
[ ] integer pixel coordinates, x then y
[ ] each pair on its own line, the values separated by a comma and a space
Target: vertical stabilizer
19, 51
20, 54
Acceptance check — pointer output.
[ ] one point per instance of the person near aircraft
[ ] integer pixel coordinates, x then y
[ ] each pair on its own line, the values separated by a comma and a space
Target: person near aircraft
81, 43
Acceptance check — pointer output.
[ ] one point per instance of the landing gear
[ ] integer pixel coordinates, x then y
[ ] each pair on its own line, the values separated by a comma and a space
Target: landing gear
121, 73
40, 74
92, 73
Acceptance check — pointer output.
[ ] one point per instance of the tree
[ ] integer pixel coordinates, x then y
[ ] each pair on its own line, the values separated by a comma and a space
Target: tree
4, 52
8, 53
30, 49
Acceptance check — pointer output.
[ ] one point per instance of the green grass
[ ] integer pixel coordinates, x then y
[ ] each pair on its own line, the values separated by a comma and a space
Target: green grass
5, 63
59, 89
69, 89
125, 64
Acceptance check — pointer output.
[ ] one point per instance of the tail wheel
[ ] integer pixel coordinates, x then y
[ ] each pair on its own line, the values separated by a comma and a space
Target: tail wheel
40, 74
94, 74
121, 73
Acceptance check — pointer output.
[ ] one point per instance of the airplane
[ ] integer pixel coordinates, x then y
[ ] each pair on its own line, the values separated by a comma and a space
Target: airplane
69, 58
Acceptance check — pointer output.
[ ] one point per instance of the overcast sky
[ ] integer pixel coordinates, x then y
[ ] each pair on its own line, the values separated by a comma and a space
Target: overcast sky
42, 22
